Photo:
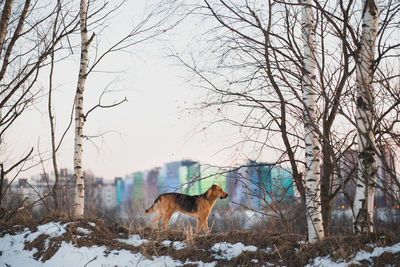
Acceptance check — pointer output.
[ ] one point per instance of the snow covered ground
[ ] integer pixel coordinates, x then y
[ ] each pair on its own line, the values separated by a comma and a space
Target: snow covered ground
15, 253
359, 257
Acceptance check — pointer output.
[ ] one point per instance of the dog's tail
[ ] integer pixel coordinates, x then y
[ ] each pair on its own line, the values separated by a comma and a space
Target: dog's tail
153, 208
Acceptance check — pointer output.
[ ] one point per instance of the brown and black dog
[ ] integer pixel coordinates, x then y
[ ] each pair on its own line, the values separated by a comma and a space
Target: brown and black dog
198, 206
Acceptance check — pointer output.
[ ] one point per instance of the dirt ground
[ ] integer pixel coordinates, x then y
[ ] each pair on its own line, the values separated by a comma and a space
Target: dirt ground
287, 250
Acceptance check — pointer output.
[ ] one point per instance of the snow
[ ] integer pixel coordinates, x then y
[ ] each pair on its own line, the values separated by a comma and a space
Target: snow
53, 229
136, 240
360, 256
133, 240
230, 251
326, 261
178, 245
13, 253
83, 230
201, 264
364, 255
69, 255
166, 243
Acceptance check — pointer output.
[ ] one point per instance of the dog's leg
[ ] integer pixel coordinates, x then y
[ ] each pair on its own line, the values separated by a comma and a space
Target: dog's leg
202, 223
205, 226
198, 227
167, 217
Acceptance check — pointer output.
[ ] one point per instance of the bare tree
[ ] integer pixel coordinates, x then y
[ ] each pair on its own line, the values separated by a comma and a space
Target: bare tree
79, 203
255, 66
367, 169
312, 149
54, 149
269, 90
148, 28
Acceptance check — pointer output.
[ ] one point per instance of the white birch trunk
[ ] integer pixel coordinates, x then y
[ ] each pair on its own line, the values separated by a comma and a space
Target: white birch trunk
309, 84
367, 170
79, 201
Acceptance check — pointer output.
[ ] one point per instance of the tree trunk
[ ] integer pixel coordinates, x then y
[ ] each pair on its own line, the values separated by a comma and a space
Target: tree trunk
5, 17
367, 170
79, 201
312, 173
2, 184
51, 117
326, 186
297, 176
53, 138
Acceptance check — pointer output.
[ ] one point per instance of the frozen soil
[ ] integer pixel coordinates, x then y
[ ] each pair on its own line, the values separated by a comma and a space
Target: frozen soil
245, 248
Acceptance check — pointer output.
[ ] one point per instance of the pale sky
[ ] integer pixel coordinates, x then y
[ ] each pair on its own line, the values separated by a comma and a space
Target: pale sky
154, 127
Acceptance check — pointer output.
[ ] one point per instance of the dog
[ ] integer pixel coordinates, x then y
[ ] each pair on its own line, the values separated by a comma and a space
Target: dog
198, 206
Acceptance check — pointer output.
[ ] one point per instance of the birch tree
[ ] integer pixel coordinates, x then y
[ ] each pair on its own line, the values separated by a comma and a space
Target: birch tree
157, 20
367, 169
79, 204
269, 93
252, 62
312, 147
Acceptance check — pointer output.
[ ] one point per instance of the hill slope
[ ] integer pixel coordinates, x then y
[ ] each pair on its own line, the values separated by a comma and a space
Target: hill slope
94, 243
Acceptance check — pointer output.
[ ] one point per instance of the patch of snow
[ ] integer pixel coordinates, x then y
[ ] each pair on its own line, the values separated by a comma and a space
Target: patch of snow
133, 240
166, 243
46, 244
254, 261
53, 229
13, 253
84, 230
92, 224
69, 255
201, 264
364, 255
326, 262
178, 245
229, 251
360, 256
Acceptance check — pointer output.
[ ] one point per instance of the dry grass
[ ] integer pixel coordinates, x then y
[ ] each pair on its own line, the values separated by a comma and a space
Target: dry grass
274, 248
279, 243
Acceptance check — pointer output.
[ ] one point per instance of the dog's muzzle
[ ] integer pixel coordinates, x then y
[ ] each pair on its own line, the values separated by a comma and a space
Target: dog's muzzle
224, 196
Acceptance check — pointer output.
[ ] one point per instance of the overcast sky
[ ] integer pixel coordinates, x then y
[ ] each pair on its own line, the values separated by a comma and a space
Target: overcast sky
152, 128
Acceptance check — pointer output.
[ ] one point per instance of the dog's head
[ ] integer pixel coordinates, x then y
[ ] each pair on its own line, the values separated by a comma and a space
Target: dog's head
217, 191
